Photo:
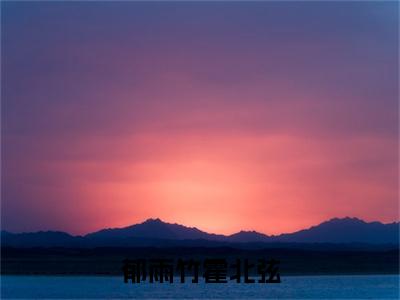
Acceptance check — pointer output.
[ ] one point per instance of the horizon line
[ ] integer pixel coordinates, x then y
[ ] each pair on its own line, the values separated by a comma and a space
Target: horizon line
194, 227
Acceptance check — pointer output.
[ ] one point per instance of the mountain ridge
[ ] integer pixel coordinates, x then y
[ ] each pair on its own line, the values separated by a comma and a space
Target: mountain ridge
157, 232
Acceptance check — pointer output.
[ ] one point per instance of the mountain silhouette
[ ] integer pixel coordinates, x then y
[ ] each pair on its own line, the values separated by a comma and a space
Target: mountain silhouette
155, 229
154, 232
248, 237
346, 230
38, 239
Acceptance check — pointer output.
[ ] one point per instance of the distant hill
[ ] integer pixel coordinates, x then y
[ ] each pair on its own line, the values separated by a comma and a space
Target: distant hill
39, 239
155, 229
154, 232
248, 237
346, 230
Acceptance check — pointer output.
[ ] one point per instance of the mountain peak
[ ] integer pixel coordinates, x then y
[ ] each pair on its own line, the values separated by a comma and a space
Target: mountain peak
346, 219
152, 220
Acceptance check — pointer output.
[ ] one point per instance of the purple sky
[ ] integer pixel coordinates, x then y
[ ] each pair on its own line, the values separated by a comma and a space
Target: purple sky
221, 115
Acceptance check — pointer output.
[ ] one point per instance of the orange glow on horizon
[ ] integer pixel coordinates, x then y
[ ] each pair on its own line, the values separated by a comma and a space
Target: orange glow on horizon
223, 189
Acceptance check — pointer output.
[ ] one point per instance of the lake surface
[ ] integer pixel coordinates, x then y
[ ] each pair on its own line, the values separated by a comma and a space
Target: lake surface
292, 287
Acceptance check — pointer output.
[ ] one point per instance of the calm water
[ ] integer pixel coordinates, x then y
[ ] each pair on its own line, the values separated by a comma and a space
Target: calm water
297, 287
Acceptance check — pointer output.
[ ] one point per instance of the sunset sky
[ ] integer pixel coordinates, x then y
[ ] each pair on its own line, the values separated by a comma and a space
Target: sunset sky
259, 116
